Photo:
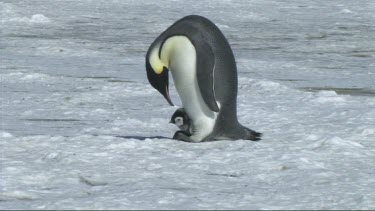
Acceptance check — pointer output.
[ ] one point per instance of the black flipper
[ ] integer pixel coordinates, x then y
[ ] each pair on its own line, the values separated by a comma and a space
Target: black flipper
205, 74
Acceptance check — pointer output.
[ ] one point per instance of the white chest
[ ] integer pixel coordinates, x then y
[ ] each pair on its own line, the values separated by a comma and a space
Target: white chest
182, 64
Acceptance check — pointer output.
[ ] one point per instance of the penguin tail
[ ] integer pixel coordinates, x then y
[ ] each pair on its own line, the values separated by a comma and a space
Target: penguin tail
244, 133
249, 134
253, 135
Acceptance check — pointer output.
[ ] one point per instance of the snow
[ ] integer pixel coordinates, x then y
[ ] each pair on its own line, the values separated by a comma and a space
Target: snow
81, 128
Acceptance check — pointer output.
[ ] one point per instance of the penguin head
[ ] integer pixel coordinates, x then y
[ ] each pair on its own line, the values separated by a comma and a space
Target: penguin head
181, 119
157, 72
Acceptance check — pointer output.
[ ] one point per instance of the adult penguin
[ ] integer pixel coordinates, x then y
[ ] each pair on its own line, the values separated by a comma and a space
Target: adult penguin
205, 76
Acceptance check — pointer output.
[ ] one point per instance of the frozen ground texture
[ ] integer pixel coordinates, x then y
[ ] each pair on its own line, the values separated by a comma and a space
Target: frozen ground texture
81, 128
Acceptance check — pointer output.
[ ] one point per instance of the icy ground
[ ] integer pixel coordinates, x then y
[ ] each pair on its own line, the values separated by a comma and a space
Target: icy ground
81, 128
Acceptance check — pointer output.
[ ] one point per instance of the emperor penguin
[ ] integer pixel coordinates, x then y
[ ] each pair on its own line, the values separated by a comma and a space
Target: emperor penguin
205, 76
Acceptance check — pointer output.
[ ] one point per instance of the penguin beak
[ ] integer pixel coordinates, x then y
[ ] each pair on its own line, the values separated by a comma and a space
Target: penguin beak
159, 81
166, 93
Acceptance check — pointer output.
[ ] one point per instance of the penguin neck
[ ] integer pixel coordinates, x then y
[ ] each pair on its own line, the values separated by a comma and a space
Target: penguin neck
162, 52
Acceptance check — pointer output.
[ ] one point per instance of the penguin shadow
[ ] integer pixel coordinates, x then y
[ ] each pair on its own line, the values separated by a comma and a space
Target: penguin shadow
142, 138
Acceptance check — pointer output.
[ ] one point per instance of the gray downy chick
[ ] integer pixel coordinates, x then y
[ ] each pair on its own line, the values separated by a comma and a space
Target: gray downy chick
182, 121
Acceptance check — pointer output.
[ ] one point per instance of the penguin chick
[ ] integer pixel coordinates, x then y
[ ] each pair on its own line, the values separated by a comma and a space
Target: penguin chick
181, 120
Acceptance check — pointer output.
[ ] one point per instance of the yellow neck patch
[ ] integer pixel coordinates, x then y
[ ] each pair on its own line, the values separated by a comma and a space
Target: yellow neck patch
156, 64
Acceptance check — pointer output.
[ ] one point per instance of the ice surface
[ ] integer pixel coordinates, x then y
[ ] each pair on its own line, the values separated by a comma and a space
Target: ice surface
81, 128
